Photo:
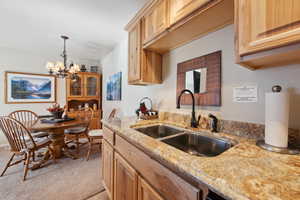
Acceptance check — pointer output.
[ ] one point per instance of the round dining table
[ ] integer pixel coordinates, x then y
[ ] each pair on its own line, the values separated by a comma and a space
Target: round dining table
57, 136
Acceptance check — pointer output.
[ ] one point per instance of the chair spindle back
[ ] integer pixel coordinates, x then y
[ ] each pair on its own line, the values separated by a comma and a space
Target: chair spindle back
85, 115
26, 117
17, 134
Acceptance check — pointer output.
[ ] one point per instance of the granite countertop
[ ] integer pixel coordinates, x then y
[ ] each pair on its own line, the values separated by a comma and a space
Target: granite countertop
243, 172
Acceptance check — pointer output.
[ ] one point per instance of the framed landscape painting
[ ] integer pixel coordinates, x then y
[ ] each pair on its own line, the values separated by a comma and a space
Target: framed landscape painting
114, 87
29, 88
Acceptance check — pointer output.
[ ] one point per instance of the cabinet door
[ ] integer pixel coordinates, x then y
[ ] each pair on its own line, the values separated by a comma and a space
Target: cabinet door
134, 48
146, 192
181, 8
156, 20
125, 180
91, 85
75, 87
107, 167
266, 24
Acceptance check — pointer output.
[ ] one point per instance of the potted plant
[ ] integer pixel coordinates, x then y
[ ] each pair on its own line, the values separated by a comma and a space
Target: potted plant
56, 111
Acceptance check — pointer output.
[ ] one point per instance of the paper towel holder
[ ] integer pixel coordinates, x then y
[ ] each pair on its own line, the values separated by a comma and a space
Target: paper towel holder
263, 145
276, 88
268, 147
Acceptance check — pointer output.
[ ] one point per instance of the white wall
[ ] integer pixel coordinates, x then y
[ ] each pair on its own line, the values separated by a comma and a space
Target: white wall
21, 61
164, 95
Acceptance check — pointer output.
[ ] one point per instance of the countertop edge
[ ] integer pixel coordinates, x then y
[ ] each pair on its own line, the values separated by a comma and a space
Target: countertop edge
195, 181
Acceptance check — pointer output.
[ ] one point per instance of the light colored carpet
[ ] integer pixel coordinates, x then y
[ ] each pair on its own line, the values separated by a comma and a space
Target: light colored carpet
100, 196
67, 179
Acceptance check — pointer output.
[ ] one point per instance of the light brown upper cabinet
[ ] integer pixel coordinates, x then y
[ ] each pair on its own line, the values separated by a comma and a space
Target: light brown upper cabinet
134, 53
144, 67
156, 20
267, 32
182, 8
162, 25
189, 20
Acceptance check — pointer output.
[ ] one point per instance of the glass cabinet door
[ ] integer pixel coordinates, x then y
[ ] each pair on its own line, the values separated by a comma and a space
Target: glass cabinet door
76, 87
91, 85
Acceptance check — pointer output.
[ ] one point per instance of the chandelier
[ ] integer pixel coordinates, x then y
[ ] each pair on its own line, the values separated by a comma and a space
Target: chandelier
60, 69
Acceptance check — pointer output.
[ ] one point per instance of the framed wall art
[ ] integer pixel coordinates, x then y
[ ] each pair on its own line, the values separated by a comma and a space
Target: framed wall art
29, 88
114, 87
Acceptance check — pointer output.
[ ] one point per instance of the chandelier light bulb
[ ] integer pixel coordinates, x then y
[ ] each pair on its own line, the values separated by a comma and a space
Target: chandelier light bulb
60, 66
76, 68
50, 66
60, 69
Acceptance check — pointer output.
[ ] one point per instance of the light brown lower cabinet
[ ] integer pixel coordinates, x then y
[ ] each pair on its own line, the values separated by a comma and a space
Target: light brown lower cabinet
107, 167
125, 180
146, 192
136, 176
128, 185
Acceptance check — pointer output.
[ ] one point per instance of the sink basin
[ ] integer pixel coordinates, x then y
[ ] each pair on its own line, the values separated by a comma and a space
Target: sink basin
159, 131
198, 145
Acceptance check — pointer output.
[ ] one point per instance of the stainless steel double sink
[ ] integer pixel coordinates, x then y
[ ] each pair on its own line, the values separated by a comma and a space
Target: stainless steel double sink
192, 143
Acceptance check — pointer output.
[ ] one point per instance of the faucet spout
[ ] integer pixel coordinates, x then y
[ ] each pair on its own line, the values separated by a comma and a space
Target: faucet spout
194, 122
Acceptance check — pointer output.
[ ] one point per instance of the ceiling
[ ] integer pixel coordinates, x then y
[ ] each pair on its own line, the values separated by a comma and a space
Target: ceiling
94, 26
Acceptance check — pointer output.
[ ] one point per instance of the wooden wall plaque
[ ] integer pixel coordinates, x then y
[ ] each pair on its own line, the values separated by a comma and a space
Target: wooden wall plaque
212, 96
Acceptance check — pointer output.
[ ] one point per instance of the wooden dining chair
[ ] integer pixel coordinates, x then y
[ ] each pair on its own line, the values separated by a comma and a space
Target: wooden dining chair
28, 119
95, 136
16, 134
77, 132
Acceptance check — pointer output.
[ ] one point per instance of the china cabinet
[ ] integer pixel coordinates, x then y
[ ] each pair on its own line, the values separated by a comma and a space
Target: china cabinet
85, 92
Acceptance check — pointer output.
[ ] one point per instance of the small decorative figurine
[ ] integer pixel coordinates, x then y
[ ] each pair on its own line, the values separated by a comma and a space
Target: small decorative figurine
83, 68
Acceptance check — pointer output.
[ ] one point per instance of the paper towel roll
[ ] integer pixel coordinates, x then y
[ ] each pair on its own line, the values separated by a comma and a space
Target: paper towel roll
277, 119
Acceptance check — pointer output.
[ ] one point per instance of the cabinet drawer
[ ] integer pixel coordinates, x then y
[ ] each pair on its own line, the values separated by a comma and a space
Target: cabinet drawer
167, 183
109, 135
